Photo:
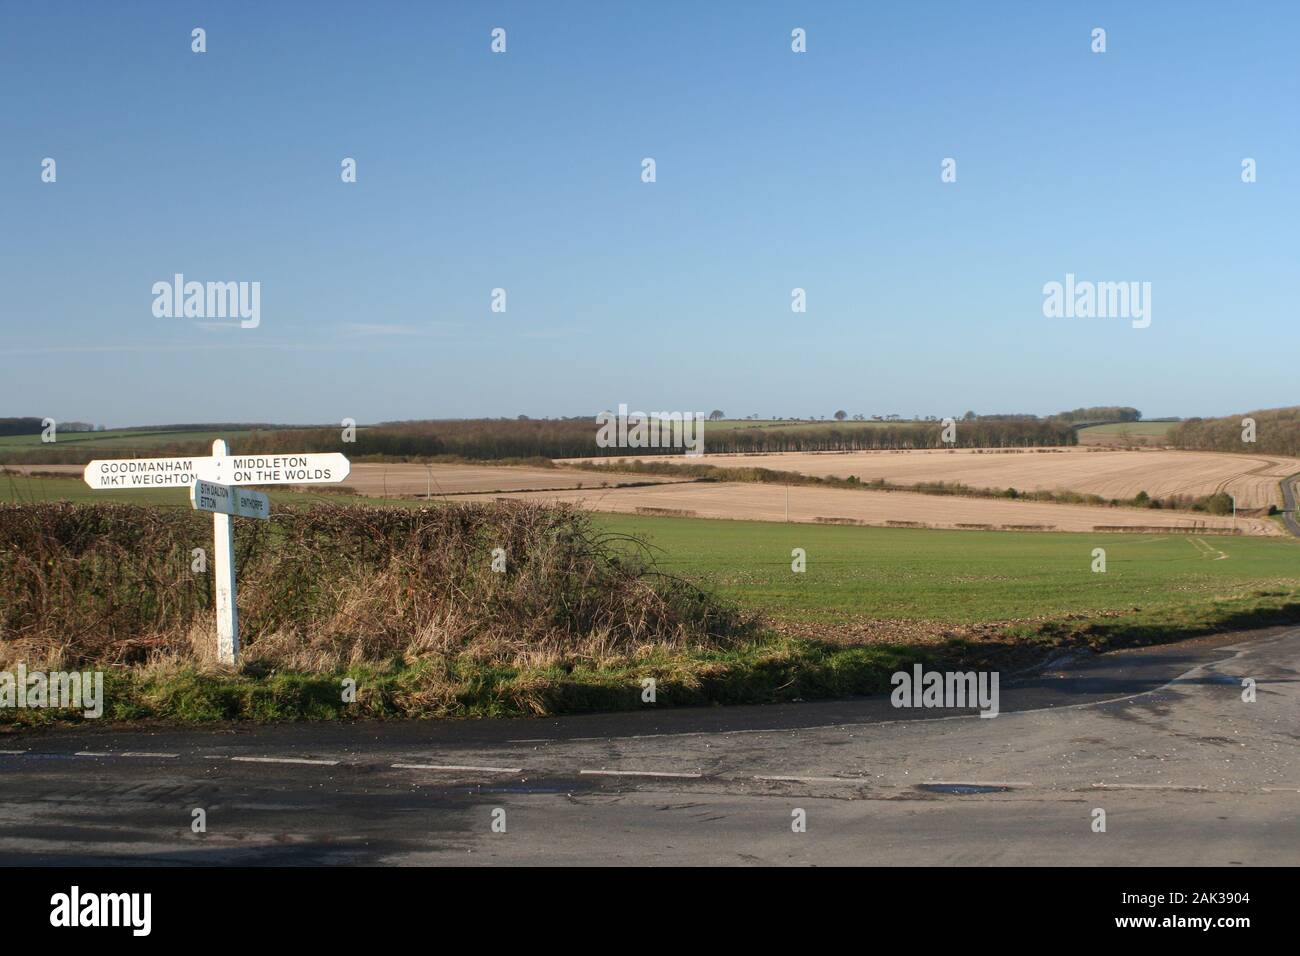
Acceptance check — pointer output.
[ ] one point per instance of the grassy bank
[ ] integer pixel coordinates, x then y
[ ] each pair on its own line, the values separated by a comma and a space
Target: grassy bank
764, 671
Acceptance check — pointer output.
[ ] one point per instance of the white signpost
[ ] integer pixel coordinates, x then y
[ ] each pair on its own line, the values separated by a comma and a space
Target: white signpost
312, 469
229, 500
213, 484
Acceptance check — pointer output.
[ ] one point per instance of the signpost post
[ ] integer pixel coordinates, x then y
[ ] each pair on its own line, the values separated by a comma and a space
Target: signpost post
213, 484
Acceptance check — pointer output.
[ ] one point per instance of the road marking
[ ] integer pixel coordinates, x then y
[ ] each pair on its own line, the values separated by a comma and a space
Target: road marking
13, 753
1148, 786
455, 767
815, 779
639, 773
321, 763
144, 753
91, 753
1280, 789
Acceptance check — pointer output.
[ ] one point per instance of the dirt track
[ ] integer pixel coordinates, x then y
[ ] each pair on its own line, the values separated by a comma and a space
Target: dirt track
766, 502
1254, 479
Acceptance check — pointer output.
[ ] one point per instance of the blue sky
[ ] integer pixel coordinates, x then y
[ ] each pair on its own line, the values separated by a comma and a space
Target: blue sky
775, 170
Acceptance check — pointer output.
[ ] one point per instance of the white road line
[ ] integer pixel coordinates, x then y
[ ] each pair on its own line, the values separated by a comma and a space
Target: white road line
13, 753
1265, 789
144, 753
91, 753
639, 773
454, 767
815, 779
1147, 786
321, 763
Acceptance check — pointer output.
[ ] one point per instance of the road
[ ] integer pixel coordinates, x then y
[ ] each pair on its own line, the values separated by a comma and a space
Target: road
1289, 505
1159, 738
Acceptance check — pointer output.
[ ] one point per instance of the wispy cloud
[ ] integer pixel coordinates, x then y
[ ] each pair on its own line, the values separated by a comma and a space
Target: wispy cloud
378, 329
210, 347
560, 332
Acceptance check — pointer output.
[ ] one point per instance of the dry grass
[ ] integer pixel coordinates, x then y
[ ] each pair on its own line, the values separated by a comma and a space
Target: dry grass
325, 589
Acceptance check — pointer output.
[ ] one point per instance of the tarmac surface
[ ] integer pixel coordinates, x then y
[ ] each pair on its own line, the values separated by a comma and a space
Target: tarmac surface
1186, 771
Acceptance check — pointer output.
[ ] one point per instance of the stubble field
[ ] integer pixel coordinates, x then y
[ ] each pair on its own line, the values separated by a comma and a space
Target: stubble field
819, 505
1253, 479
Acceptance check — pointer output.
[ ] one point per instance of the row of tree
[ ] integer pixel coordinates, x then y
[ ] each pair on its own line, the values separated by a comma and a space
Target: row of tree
35, 426
1272, 431
497, 439
1100, 413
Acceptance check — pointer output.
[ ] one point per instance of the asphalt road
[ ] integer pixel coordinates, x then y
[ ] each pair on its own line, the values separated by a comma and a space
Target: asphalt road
1289, 505
1160, 739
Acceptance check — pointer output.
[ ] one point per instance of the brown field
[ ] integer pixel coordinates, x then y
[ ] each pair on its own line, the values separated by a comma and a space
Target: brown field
1109, 473
767, 502
1253, 479
406, 479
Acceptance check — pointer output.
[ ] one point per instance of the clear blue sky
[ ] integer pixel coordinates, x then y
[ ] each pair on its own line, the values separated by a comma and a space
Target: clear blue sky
522, 171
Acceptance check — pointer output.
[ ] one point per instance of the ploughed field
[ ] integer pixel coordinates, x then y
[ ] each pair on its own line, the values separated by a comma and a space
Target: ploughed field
1253, 479
1161, 473
819, 505
407, 478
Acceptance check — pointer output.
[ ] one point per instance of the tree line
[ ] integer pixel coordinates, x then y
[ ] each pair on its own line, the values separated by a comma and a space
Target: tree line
519, 439
1101, 413
1276, 432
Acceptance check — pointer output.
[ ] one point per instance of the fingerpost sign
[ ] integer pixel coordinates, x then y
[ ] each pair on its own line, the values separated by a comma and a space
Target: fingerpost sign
214, 487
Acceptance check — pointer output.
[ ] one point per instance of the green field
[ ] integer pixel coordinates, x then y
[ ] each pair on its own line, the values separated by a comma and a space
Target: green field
856, 573
1148, 429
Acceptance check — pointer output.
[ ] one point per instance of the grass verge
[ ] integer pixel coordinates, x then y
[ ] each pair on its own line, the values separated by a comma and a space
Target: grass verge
765, 671
771, 669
